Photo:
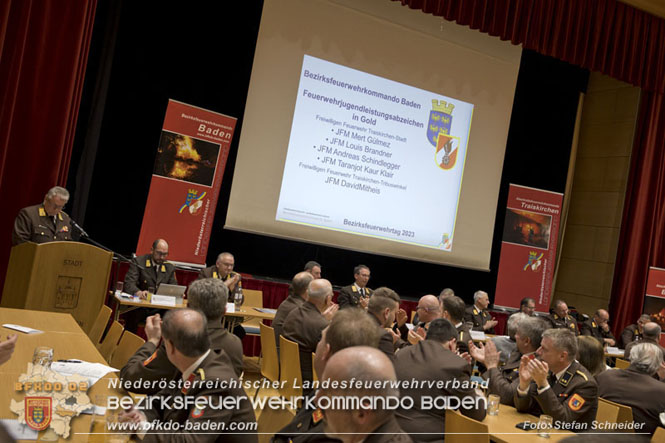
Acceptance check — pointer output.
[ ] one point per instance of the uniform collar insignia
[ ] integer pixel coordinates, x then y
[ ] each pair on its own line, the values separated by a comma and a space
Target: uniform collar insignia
593, 324
475, 311
147, 263
565, 378
42, 212
163, 268
60, 216
556, 317
214, 274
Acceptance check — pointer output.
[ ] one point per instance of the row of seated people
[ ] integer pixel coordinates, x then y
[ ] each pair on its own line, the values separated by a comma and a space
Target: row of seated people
542, 375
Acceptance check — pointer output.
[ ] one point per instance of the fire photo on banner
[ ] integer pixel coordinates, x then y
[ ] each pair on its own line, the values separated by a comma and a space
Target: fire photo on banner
528, 247
654, 299
187, 176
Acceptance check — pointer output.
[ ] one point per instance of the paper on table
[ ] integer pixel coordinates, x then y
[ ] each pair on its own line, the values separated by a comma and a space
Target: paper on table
614, 351
267, 310
477, 335
24, 329
165, 300
93, 371
19, 431
230, 307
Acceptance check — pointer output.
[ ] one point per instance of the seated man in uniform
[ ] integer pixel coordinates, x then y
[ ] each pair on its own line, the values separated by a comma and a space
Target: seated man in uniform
650, 334
453, 311
633, 332
147, 272
503, 380
305, 323
559, 318
150, 363
299, 286
349, 327
434, 360
195, 403
223, 269
382, 309
508, 345
528, 306
479, 315
598, 327
362, 421
313, 268
555, 384
636, 386
45, 222
358, 293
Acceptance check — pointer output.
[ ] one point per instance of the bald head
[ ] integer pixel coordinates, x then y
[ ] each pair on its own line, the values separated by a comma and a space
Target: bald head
428, 308
651, 330
361, 363
159, 251
319, 293
187, 331
300, 283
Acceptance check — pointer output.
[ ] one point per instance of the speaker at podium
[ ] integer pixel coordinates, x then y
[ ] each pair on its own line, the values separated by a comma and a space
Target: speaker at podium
60, 276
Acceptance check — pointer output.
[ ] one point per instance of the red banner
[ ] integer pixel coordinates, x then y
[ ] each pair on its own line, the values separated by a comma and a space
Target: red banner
528, 249
186, 179
654, 300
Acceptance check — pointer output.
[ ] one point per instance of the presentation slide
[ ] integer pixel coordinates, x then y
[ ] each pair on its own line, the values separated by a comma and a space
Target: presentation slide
374, 157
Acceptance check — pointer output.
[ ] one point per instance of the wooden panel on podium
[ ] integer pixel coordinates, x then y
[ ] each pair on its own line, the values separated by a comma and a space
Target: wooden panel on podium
66, 277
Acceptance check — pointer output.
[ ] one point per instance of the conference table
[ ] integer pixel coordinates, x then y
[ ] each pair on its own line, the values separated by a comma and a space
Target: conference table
232, 317
502, 428
68, 341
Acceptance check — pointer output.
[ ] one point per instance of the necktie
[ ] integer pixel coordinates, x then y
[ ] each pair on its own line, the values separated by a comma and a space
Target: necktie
551, 379
362, 292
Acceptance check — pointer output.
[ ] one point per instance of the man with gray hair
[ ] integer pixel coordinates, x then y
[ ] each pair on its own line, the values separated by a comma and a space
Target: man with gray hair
650, 334
45, 222
479, 315
223, 269
149, 362
555, 384
636, 387
633, 332
207, 378
305, 323
503, 380
506, 344
366, 419
299, 286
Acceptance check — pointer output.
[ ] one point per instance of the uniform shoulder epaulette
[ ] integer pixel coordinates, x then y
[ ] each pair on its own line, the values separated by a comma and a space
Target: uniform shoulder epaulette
565, 378
583, 375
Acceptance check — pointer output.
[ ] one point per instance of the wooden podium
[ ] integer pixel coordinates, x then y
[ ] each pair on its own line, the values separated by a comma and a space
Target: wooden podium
61, 276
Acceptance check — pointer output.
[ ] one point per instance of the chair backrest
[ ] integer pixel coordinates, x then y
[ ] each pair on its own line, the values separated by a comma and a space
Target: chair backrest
110, 342
458, 427
129, 344
607, 412
621, 363
625, 415
289, 363
315, 376
658, 436
269, 361
99, 326
253, 298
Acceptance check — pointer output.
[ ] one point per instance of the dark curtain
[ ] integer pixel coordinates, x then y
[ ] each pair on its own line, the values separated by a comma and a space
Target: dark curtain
624, 43
642, 240
601, 35
43, 54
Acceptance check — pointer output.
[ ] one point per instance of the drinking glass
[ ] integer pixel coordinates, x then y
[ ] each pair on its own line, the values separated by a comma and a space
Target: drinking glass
544, 425
119, 286
493, 404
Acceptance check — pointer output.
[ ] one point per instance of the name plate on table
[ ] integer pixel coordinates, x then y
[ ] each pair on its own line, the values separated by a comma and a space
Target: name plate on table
165, 300
477, 335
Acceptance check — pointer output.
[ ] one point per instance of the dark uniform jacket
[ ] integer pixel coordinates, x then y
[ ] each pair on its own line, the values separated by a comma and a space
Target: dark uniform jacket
559, 322
304, 326
630, 334
478, 317
152, 275
150, 363
430, 361
35, 225
306, 426
463, 337
209, 272
644, 394
292, 301
503, 381
350, 296
591, 328
389, 432
386, 342
626, 355
215, 367
573, 398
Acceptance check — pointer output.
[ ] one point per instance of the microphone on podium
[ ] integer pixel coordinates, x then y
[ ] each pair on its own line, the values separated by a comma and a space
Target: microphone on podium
77, 226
